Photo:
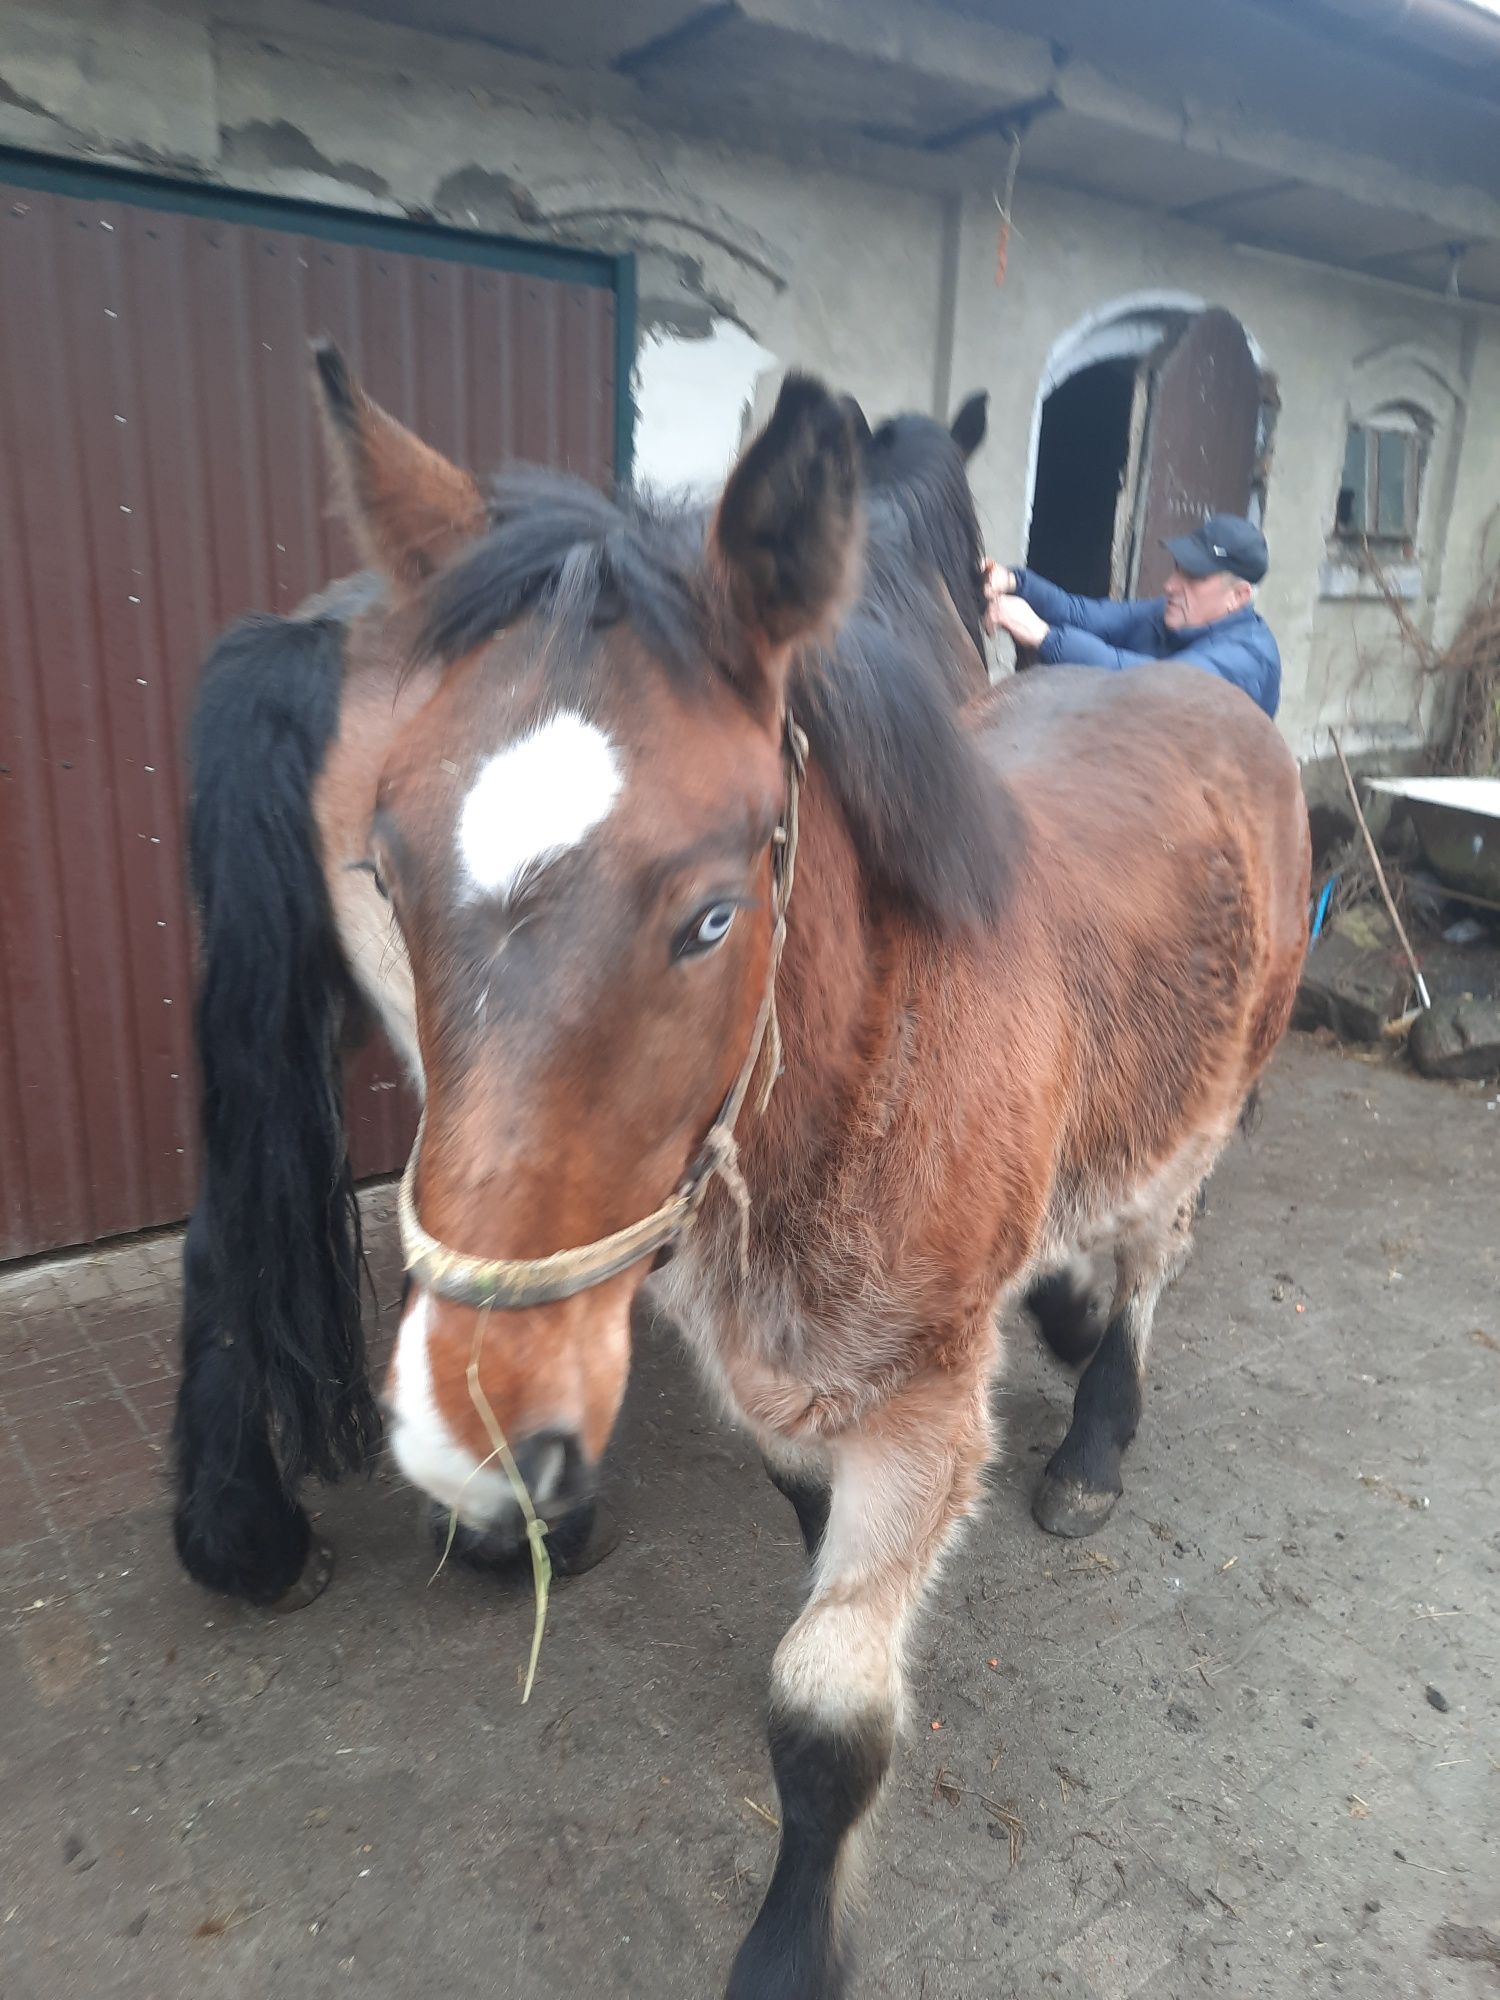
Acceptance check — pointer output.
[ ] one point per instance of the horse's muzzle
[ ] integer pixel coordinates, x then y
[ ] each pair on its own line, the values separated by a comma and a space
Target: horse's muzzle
560, 1486
575, 1543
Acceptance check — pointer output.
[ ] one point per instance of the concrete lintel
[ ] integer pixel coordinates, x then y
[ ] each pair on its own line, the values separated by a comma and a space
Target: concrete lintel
1215, 206
1464, 305
1257, 143
927, 41
135, 76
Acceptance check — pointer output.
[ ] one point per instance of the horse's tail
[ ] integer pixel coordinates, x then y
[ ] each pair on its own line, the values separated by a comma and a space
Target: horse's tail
277, 1215
1250, 1112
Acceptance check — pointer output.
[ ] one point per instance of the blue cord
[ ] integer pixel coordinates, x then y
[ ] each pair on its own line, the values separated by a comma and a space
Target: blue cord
1321, 910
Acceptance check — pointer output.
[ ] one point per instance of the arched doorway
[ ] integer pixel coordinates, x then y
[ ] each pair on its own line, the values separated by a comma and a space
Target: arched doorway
1082, 457
1151, 413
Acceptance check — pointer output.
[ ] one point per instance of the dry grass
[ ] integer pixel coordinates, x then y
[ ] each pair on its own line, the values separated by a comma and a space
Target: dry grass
1466, 670
1357, 885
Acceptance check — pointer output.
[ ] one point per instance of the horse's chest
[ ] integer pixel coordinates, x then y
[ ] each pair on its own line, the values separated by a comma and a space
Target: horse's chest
779, 1362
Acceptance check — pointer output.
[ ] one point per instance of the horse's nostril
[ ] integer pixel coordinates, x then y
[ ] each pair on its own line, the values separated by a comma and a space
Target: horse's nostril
560, 1487
551, 1464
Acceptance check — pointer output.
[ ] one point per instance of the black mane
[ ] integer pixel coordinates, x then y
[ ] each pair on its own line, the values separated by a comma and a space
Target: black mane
913, 467
935, 830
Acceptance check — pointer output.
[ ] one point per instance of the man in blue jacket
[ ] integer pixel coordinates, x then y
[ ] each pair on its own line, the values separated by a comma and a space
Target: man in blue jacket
1205, 616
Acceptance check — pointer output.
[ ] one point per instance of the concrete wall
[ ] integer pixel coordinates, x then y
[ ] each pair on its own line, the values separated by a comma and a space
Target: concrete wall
888, 290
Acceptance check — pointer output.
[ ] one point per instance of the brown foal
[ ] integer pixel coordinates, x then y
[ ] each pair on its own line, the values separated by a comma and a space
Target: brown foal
1041, 942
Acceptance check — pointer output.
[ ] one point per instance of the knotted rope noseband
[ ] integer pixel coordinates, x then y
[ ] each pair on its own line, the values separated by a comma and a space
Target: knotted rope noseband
510, 1283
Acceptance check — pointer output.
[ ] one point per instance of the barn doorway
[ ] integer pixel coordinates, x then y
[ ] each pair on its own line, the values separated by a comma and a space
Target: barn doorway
1151, 414
1080, 470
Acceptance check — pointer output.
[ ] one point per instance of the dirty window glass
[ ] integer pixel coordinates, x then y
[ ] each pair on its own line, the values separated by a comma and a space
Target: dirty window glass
1394, 451
1351, 508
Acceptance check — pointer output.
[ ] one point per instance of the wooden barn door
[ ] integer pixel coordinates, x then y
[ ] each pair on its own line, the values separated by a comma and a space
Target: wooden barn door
1202, 420
160, 473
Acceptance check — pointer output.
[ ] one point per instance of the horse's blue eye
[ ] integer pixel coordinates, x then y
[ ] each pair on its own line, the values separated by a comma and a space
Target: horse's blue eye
708, 929
369, 868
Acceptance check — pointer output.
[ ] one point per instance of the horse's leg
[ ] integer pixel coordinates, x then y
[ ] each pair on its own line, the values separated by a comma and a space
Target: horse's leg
1064, 1307
802, 1477
237, 1528
1081, 1484
899, 1488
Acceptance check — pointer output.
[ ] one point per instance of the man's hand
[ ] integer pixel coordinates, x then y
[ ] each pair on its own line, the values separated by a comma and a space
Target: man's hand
998, 583
1015, 616
1005, 612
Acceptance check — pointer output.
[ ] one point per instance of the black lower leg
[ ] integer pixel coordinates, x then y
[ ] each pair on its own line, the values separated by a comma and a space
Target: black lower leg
1081, 1484
237, 1528
810, 1496
1062, 1304
826, 1781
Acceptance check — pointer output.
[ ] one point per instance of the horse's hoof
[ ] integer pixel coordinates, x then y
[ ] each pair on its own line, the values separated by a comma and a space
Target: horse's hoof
1064, 1507
314, 1580
582, 1540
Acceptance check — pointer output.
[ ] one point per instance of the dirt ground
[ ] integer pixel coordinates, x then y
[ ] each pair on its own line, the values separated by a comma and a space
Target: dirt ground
1244, 1743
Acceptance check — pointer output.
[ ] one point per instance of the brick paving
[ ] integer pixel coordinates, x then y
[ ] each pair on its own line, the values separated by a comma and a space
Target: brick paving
87, 1376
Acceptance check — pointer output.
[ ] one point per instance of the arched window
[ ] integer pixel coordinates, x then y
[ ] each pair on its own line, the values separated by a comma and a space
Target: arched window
1399, 426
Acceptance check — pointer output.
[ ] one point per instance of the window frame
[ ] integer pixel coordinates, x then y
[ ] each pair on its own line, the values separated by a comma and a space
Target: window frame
1380, 430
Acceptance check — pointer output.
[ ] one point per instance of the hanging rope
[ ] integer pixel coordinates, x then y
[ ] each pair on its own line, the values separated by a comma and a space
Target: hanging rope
1003, 203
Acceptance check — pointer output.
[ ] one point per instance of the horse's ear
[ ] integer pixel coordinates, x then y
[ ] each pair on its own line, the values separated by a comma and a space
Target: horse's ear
968, 427
409, 508
859, 423
787, 535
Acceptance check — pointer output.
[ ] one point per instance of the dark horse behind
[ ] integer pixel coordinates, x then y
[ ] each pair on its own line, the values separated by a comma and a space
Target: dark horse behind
723, 915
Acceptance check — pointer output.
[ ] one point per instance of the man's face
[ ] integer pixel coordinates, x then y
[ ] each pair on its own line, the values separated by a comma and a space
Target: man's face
1202, 600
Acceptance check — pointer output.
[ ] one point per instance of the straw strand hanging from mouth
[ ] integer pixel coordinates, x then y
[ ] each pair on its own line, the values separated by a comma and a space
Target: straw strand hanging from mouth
536, 1532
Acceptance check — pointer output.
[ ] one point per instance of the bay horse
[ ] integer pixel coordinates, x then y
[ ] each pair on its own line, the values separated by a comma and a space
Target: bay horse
747, 941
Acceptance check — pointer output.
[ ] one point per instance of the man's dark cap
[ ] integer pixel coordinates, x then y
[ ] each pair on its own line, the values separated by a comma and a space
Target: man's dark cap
1224, 542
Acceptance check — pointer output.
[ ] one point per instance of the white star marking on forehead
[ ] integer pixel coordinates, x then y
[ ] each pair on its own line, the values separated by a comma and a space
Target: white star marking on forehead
532, 801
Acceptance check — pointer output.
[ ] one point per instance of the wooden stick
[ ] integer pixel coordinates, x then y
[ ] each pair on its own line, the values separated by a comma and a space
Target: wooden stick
1466, 896
1385, 888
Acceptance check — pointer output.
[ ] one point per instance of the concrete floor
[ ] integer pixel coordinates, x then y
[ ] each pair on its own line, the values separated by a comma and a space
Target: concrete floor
1244, 1743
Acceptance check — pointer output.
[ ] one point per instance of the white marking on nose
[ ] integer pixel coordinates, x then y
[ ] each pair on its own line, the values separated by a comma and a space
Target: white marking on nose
533, 801
421, 1443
